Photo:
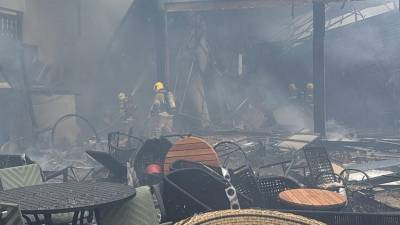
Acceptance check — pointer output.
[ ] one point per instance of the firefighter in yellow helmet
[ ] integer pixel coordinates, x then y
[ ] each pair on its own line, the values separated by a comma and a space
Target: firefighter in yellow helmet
162, 111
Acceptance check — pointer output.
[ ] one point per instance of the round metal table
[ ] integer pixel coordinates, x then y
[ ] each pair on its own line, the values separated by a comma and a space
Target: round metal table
54, 198
312, 199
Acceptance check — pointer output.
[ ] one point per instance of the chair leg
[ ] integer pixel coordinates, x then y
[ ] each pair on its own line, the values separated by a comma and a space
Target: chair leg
90, 217
82, 216
97, 216
29, 221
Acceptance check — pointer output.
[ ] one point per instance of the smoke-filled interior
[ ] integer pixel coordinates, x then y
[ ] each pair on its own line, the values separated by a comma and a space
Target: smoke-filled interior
127, 85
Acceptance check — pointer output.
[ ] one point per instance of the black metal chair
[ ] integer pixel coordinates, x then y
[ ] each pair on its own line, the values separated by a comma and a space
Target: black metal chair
185, 164
231, 153
195, 190
122, 146
320, 166
190, 191
363, 186
153, 151
7, 161
270, 188
245, 182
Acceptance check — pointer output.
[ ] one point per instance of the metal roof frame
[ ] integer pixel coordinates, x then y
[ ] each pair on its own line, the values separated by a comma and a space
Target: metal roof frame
209, 5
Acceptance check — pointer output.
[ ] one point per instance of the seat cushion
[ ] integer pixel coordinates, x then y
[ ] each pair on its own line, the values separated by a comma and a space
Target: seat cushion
10, 214
21, 176
139, 210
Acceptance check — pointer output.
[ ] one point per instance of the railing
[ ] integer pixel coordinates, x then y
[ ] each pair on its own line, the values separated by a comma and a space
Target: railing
10, 24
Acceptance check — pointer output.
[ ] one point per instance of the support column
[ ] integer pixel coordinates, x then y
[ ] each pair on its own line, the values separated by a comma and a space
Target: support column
319, 67
161, 39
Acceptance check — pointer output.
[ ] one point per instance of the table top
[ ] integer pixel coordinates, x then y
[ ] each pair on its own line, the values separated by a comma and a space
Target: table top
52, 198
312, 198
193, 149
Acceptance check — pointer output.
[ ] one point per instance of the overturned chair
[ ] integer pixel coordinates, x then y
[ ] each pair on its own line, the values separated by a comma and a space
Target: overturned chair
194, 190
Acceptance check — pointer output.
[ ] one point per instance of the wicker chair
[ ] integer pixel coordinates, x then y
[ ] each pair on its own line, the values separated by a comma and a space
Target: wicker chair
248, 216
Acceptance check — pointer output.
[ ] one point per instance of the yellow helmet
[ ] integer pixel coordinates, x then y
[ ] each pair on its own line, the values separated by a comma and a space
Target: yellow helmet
310, 86
158, 86
122, 96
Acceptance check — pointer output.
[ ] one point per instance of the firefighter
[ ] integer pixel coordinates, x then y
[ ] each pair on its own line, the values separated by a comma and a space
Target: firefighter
293, 93
126, 107
162, 111
309, 95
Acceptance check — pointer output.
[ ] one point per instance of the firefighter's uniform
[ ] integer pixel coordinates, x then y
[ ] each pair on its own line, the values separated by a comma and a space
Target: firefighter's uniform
162, 111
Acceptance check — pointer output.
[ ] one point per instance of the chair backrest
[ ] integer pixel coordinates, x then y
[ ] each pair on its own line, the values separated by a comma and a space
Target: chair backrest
185, 164
21, 176
153, 151
192, 190
270, 188
245, 182
231, 155
193, 149
10, 214
139, 210
319, 164
123, 146
7, 161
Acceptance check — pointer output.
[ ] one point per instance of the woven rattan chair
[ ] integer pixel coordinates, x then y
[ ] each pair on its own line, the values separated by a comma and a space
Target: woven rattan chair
248, 216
